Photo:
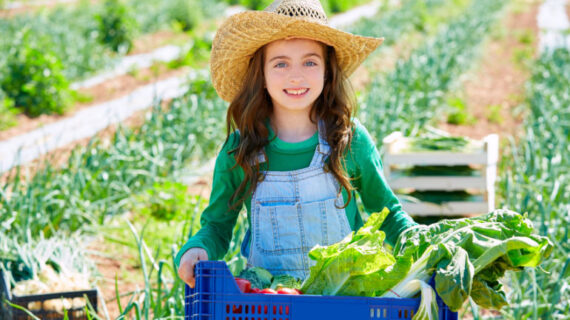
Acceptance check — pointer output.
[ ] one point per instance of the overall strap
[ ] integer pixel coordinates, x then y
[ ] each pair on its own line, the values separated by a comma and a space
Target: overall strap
323, 148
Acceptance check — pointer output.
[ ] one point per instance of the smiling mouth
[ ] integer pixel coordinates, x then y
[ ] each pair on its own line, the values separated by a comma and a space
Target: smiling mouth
296, 92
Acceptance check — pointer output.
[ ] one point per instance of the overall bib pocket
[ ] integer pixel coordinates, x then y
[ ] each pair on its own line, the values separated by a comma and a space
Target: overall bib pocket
332, 221
278, 229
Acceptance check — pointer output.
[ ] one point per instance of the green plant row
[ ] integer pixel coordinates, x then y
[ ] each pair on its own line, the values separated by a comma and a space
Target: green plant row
535, 178
413, 15
51, 48
97, 180
413, 93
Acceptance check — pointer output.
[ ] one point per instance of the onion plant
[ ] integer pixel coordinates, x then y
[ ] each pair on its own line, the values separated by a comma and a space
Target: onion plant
97, 180
411, 96
535, 178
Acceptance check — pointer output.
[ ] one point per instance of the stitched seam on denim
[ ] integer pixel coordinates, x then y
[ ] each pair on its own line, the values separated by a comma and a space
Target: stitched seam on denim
315, 161
273, 270
341, 212
300, 219
275, 226
300, 175
280, 176
256, 230
285, 202
324, 222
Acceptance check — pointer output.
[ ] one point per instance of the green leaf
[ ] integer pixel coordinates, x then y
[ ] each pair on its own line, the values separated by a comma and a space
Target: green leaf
453, 277
340, 268
428, 309
488, 294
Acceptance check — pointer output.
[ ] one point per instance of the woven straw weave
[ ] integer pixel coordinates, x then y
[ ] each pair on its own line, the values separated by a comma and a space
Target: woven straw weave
307, 10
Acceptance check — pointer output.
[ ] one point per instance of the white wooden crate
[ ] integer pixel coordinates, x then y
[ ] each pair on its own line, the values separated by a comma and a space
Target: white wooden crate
479, 154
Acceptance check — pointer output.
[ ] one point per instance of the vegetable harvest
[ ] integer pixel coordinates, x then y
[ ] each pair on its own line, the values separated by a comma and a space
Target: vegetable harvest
467, 256
259, 280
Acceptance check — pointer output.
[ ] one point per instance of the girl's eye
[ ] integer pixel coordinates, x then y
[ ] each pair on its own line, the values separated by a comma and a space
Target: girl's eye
281, 65
310, 63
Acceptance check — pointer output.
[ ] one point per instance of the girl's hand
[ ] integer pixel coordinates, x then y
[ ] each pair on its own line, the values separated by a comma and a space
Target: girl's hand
187, 263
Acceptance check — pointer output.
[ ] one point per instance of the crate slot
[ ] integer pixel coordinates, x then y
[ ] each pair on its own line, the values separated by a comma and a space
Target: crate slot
378, 313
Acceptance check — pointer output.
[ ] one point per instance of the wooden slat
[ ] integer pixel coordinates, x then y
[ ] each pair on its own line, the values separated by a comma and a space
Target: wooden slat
435, 158
446, 183
458, 208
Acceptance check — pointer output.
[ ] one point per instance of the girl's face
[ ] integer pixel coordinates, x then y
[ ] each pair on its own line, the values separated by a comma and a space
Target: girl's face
294, 73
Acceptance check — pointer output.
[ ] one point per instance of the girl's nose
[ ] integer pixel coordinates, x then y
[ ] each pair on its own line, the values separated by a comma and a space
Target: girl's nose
296, 74
296, 77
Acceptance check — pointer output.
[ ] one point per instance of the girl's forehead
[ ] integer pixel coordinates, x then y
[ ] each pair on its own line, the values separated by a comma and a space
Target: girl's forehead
294, 44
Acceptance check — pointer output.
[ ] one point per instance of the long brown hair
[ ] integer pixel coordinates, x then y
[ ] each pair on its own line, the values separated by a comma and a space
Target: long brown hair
252, 106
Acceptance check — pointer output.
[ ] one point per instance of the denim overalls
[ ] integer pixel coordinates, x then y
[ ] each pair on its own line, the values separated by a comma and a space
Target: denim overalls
292, 211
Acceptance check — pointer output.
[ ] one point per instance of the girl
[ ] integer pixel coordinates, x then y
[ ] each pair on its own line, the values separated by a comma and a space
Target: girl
297, 157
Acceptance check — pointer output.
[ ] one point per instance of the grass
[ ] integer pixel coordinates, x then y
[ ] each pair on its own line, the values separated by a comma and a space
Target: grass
525, 37
458, 113
535, 179
493, 114
523, 57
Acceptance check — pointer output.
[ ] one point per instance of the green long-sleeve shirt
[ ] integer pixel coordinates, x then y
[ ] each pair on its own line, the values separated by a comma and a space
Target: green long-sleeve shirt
363, 165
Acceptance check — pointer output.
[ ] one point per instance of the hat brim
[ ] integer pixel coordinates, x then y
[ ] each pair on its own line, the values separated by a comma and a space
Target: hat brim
242, 34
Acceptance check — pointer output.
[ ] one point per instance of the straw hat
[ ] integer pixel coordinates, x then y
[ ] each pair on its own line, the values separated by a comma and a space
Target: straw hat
242, 34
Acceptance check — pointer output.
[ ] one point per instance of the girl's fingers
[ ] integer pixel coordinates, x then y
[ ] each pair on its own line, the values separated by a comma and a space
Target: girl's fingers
189, 260
201, 256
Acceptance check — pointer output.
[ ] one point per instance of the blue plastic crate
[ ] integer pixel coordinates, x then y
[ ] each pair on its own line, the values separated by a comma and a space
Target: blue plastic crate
216, 296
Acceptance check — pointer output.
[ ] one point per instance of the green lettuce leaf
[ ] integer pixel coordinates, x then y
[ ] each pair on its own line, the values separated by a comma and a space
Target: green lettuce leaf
341, 268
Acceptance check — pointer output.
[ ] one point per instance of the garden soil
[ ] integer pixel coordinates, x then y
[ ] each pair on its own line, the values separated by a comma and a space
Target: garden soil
500, 77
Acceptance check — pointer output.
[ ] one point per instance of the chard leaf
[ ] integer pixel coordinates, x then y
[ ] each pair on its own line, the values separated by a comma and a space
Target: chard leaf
453, 277
501, 240
428, 309
496, 270
472, 234
488, 294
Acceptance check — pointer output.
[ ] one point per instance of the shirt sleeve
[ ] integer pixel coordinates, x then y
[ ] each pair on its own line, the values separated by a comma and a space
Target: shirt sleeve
370, 183
217, 220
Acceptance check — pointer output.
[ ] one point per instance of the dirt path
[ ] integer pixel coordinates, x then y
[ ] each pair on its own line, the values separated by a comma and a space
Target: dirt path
496, 88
